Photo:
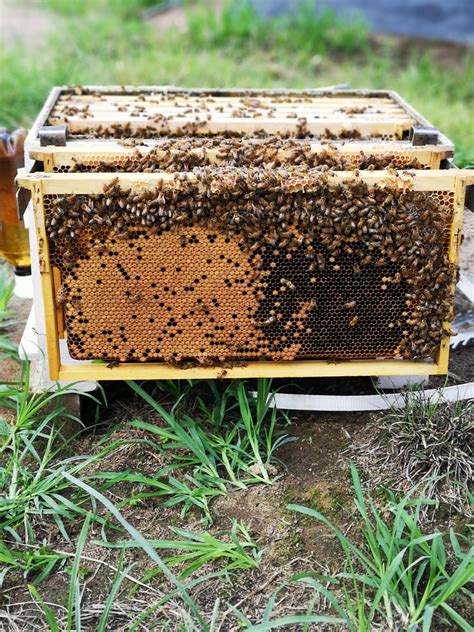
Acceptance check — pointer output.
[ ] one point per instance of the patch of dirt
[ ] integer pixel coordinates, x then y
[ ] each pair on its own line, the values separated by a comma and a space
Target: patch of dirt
444, 53
25, 22
173, 18
461, 366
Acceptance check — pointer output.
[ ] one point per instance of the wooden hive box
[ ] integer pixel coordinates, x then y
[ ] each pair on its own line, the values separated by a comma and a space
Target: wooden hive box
243, 234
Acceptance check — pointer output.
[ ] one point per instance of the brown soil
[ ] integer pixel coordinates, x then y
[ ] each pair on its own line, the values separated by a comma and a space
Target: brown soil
25, 22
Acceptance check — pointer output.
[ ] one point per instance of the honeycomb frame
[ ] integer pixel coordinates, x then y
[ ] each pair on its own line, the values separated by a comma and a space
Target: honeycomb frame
452, 182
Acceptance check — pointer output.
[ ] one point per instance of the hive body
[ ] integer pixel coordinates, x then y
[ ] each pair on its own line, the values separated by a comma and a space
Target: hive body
225, 254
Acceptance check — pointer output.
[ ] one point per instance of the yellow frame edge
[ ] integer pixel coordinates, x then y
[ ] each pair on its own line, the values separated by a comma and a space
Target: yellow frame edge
290, 369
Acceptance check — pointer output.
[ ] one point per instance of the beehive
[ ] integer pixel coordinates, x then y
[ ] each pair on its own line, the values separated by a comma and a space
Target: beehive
206, 234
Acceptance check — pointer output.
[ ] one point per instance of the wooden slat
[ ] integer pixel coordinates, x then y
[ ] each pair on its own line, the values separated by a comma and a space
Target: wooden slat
229, 118
393, 128
112, 117
108, 149
47, 285
263, 98
266, 99
101, 151
422, 180
302, 109
293, 369
303, 112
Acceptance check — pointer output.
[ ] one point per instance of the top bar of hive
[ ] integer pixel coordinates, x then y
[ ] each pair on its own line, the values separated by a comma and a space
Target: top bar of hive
94, 112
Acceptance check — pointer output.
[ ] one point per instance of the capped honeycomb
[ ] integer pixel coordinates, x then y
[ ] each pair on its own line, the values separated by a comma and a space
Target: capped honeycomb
236, 263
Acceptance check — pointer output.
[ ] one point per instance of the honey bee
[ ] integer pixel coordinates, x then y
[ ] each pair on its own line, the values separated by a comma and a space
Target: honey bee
265, 323
135, 298
354, 321
291, 286
62, 295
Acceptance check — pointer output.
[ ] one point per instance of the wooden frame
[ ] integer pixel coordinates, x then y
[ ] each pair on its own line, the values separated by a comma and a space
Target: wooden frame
42, 184
429, 155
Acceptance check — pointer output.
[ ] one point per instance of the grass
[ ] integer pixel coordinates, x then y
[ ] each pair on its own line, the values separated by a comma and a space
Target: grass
428, 443
229, 448
399, 576
7, 348
142, 542
39, 485
31, 475
239, 550
110, 44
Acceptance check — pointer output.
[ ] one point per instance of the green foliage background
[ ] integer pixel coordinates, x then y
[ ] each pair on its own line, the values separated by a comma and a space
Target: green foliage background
108, 42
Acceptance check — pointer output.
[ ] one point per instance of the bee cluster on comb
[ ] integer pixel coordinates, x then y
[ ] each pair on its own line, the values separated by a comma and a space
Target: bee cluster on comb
229, 263
184, 155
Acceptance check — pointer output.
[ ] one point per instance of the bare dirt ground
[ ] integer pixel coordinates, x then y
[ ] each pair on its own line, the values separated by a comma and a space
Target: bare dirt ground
24, 22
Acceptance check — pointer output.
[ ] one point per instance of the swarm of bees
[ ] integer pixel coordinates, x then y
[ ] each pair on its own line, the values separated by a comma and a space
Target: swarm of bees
221, 263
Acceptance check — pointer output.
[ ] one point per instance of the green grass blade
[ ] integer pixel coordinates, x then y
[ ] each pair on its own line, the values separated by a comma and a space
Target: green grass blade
136, 535
291, 619
48, 613
457, 618
74, 599
118, 580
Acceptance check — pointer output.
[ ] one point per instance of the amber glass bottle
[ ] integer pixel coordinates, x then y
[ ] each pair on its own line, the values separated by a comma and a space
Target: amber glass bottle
14, 245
